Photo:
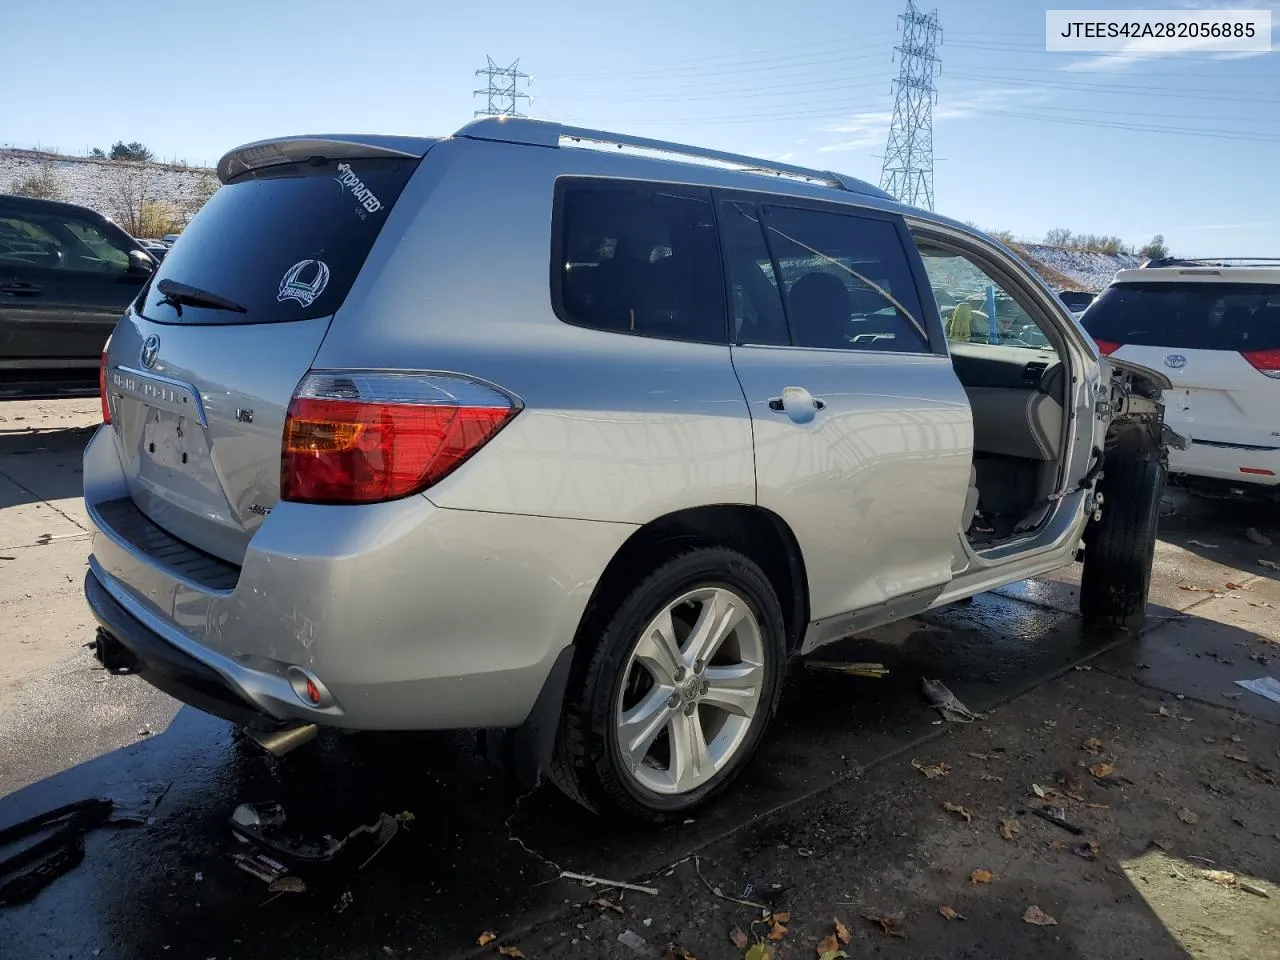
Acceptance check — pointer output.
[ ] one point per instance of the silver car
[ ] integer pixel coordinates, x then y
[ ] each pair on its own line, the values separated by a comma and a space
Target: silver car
579, 439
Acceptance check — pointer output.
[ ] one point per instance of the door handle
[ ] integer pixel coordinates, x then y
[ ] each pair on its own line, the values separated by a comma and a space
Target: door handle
797, 403
20, 289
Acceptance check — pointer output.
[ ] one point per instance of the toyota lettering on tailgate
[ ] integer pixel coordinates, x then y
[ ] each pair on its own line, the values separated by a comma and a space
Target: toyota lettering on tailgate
160, 392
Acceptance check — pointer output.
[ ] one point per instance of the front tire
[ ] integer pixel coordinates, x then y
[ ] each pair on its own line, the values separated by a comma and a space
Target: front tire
678, 691
1120, 548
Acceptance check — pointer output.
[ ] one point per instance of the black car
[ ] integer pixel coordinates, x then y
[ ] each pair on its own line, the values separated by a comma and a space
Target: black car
66, 275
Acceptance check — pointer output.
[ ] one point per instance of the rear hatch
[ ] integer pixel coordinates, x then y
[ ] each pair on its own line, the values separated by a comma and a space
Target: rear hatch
201, 369
1217, 341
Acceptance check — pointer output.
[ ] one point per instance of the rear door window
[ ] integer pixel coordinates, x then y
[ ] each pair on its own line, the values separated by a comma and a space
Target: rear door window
285, 242
60, 241
846, 281
1189, 316
638, 258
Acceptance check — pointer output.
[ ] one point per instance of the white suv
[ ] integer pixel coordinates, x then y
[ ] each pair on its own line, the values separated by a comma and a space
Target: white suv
1213, 327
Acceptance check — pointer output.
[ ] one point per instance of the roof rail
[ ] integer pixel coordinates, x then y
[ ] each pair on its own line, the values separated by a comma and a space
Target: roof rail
547, 133
1212, 262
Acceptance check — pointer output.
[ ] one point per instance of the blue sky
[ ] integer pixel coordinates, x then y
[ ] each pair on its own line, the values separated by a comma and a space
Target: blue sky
1186, 145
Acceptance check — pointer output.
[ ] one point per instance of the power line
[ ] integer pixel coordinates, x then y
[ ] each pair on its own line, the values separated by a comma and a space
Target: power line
503, 89
907, 172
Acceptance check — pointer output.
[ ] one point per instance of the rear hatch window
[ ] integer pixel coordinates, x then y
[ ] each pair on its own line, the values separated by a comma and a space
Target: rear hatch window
1243, 317
284, 242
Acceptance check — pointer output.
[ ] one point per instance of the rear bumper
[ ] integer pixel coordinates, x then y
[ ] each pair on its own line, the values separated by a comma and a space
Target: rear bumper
412, 617
1247, 466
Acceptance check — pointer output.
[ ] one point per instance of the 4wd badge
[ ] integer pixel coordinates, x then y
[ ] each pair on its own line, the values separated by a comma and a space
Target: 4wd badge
306, 291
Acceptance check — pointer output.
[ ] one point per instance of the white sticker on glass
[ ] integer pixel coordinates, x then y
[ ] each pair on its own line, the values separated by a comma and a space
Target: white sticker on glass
304, 282
347, 177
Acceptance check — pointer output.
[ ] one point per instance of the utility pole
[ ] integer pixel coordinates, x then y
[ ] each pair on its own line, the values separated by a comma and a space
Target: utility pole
907, 172
503, 89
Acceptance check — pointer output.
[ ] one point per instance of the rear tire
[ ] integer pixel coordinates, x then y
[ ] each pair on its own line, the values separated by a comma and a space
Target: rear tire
1120, 548
632, 682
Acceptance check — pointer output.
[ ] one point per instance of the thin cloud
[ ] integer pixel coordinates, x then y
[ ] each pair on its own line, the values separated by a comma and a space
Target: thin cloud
1247, 225
871, 129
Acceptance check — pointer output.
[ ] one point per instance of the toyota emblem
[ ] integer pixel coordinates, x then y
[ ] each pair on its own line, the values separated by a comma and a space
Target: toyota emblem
1175, 361
150, 350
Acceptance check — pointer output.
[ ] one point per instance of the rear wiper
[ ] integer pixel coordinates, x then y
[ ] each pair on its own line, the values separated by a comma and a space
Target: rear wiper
178, 295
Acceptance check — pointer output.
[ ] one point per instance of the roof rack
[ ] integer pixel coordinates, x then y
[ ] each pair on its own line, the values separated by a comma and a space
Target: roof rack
547, 133
1212, 262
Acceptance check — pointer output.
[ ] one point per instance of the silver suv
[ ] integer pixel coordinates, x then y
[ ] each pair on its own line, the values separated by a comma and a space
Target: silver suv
579, 439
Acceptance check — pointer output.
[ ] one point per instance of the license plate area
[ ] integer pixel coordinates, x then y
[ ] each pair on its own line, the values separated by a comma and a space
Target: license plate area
169, 439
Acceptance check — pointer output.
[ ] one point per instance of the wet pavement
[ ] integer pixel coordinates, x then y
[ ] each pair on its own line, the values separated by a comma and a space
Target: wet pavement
477, 854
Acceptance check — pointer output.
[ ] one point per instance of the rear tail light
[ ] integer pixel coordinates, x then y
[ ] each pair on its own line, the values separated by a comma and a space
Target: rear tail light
102, 388
1266, 362
367, 436
1107, 348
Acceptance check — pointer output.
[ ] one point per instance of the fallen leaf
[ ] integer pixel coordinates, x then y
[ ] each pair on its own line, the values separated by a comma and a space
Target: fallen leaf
1094, 745
932, 770
842, 932
828, 946
287, 885
889, 926
1261, 539
777, 932
1102, 770
1188, 587
738, 938
1034, 914
782, 917
832, 955
513, 952
758, 951
1201, 543
1237, 756
981, 876
678, 953
1187, 816
1269, 564
958, 810
1042, 792
1220, 877
1166, 712
1009, 829
606, 905
1235, 586
950, 913
983, 756
486, 938
1235, 738
988, 778
1088, 850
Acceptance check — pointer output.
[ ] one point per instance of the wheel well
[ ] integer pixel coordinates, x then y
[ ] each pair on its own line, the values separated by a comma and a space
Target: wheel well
757, 533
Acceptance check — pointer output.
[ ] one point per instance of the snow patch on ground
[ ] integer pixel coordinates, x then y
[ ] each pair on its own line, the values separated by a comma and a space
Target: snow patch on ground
1091, 270
90, 182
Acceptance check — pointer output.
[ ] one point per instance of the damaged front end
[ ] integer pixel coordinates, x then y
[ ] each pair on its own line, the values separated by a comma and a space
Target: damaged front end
1135, 412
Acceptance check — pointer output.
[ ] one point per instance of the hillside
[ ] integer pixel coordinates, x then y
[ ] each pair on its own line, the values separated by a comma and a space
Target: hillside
1066, 269
111, 188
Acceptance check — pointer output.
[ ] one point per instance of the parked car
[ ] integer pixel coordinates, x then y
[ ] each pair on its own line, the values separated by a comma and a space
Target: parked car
1213, 326
157, 248
171, 238
1077, 301
580, 447
66, 275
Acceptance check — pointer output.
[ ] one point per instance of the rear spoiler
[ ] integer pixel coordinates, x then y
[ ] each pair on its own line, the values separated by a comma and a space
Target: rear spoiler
270, 153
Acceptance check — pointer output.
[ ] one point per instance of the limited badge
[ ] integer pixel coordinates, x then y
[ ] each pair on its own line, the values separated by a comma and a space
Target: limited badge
304, 282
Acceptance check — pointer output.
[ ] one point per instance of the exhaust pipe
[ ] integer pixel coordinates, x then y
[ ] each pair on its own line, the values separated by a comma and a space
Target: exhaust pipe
279, 742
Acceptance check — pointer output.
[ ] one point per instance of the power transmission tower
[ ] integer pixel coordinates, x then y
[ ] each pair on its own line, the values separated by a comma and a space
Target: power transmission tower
503, 89
907, 172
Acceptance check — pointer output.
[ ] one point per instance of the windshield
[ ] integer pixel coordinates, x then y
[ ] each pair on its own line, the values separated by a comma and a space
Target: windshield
286, 242
1190, 316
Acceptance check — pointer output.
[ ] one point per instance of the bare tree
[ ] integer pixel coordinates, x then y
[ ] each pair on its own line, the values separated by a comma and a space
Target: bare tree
129, 190
43, 184
1058, 237
1154, 250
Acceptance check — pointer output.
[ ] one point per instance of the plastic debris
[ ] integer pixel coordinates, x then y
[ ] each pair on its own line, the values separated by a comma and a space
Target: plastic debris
1058, 817
946, 702
633, 941
1268, 687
